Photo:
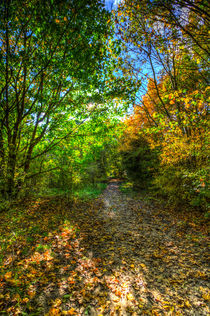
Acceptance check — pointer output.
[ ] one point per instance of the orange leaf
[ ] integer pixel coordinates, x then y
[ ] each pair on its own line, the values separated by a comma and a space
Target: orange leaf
71, 312
8, 275
54, 312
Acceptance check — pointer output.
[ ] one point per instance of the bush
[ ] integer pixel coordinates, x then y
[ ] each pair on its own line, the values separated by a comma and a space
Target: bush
184, 186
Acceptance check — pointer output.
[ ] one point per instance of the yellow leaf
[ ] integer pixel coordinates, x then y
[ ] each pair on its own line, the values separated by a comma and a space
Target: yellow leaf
206, 296
25, 300
166, 307
187, 303
57, 302
132, 266
130, 297
71, 312
143, 265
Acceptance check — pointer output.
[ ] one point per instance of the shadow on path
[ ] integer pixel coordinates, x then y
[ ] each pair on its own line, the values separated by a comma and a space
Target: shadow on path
116, 256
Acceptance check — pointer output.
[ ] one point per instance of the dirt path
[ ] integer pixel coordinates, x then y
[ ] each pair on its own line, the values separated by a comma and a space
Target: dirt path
150, 262
112, 256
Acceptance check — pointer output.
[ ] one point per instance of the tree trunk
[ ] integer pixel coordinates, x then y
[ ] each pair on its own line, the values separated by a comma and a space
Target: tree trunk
10, 188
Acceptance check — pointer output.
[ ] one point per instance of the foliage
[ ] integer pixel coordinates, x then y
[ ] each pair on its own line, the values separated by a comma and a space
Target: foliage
54, 66
162, 44
138, 159
79, 161
72, 242
184, 186
127, 187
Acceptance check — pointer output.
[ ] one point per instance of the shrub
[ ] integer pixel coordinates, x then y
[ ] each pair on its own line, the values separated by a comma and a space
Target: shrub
183, 186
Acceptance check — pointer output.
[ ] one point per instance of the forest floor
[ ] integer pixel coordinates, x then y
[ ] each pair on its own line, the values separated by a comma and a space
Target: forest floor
115, 255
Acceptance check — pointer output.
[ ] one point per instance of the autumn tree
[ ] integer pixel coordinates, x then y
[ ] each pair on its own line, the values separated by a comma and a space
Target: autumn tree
164, 47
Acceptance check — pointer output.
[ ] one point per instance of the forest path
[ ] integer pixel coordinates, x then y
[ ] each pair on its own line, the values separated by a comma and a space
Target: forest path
154, 263
114, 255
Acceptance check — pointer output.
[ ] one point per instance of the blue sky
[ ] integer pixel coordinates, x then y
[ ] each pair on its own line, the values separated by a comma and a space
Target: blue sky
109, 4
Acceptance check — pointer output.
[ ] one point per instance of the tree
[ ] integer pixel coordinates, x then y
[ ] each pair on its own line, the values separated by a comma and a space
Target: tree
164, 47
85, 159
52, 59
154, 34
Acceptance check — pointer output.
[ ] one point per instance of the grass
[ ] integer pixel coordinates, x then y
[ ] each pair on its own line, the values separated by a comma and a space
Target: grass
85, 191
90, 191
18, 225
127, 187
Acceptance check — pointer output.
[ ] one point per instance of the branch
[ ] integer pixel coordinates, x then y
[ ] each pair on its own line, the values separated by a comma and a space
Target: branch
41, 172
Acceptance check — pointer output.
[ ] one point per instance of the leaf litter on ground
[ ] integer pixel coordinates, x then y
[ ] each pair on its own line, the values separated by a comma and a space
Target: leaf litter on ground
114, 255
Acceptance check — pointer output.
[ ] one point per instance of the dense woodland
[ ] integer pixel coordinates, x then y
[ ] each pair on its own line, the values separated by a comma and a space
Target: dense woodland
89, 94
69, 71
